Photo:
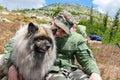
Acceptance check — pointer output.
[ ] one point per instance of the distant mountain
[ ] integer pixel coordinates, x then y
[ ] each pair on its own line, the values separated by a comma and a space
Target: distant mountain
80, 12
76, 9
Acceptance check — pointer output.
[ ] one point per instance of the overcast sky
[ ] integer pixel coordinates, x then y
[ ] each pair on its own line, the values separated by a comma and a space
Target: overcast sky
104, 6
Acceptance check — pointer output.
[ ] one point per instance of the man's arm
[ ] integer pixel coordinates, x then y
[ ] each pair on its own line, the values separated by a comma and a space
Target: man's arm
8, 51
86, 59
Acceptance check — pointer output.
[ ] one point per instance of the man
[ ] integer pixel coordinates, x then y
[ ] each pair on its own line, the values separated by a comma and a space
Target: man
70, 45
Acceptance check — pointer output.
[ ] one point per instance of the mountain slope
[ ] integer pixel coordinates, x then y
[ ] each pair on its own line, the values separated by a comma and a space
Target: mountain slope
78, 11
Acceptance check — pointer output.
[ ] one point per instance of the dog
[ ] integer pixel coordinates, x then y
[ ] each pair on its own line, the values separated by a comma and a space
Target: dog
34, 51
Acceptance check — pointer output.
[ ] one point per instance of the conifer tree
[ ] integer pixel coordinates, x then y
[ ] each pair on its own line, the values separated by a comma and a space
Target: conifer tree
114, 26
91, 15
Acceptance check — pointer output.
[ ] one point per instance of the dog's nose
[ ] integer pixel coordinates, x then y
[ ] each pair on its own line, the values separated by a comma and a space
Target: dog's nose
48, 46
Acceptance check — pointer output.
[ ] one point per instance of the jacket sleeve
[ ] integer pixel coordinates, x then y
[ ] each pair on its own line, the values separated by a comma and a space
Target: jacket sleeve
8, 51
85, 58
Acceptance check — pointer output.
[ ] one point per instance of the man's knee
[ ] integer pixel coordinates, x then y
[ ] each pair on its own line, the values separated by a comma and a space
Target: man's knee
56, 76
78, 75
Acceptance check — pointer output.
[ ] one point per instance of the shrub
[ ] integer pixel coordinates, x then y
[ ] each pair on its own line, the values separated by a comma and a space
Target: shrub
41, 21
103, 31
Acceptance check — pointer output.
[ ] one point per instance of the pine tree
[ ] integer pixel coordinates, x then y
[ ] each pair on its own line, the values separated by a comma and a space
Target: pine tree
114, 26
105, 20
91, 15
116, 20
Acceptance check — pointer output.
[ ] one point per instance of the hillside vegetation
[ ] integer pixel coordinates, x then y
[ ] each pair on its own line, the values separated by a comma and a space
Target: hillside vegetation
95, 21
107, 53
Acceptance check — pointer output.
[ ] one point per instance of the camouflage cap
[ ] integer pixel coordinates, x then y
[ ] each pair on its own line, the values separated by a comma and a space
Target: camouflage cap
64, 20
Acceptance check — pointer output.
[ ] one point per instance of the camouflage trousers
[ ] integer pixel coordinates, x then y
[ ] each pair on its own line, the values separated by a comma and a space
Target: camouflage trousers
66, 73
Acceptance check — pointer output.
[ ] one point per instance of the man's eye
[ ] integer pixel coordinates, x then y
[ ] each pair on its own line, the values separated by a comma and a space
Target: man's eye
54, 30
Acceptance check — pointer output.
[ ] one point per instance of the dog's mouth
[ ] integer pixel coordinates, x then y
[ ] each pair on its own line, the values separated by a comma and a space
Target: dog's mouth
42, 48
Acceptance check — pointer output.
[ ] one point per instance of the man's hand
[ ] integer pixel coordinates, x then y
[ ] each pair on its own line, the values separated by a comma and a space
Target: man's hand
95, 76
12, 73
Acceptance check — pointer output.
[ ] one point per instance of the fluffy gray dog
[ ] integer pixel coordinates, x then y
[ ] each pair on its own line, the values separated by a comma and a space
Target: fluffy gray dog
34, 51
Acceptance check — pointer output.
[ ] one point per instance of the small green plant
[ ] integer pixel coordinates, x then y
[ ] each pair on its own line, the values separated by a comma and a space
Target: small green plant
1, 7
41, 21
27, 19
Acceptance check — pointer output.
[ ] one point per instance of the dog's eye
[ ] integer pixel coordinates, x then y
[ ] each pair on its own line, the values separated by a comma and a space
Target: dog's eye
41, 38
37, 39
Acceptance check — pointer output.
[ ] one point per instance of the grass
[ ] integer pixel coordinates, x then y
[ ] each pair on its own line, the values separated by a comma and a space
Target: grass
7, 30
108, 59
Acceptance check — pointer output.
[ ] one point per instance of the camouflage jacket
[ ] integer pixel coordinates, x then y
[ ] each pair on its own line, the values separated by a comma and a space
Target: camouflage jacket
71, 46
8, 51
67, 47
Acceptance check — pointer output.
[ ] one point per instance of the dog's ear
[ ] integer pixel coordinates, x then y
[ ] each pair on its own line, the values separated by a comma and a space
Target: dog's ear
32, 28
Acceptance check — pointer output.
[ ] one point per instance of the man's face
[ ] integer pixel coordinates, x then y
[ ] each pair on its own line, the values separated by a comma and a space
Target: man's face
59, 32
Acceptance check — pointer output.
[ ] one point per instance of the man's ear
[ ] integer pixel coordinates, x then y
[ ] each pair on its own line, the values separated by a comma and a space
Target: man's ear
54, 31
32, 28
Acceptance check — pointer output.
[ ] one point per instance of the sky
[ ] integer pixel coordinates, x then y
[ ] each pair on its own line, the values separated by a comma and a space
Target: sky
104, 6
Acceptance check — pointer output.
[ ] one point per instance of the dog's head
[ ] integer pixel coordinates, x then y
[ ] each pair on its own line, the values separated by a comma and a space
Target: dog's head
41, 38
